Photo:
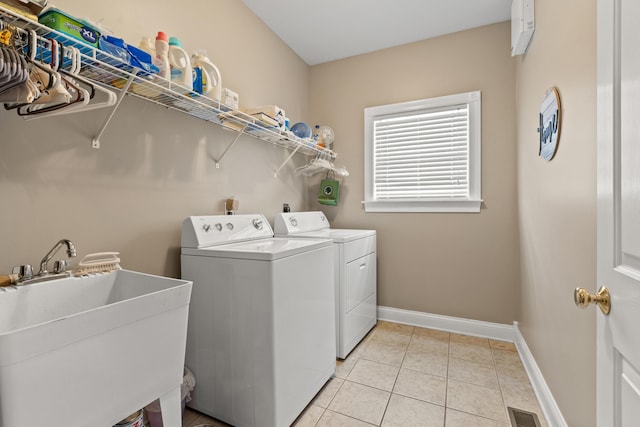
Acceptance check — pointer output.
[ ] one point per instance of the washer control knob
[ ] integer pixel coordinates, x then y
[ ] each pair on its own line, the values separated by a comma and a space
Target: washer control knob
257, 223
206, 227
230, 226
322, 218
293, 221
219, 227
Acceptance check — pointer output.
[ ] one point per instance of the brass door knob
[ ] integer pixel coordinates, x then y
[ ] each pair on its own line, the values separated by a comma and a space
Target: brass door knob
602, 299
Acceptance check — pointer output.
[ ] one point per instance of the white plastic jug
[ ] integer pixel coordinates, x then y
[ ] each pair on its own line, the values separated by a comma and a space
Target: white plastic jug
181, 71
213, 86
149, 47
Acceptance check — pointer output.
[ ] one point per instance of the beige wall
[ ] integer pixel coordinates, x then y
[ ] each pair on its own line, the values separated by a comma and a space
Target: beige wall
154, 167
557, 203
463, 265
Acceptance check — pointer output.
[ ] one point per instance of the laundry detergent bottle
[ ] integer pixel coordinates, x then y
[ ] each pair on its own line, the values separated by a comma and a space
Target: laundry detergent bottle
162, 55
181, 71
211, 80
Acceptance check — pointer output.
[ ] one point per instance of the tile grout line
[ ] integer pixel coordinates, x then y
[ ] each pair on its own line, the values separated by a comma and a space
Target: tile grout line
446, 383
406, 348
495, 368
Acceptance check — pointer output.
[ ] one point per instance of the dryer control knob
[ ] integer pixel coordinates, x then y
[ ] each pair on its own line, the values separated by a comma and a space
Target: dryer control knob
257, 223
206, 227
219, 227
230, 226
293, 221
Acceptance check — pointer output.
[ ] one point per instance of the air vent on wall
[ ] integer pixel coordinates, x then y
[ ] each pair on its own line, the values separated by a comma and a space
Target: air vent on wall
522, 25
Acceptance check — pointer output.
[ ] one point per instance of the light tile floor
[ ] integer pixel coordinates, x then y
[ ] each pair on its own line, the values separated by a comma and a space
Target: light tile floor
406, 376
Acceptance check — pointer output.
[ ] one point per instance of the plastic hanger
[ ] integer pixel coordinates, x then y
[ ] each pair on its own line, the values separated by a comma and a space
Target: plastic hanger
66, 93
27, 91
320, 164
15, 71
53, 89
73, 73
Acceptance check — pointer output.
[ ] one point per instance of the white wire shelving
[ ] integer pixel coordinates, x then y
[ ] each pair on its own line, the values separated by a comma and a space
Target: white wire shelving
102, 68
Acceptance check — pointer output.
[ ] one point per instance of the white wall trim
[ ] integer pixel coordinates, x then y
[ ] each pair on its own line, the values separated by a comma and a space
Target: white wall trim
543, 393
495, 331
458, 325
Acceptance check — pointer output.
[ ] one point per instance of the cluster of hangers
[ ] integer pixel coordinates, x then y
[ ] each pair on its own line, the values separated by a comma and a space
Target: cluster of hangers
41, 77
321, 164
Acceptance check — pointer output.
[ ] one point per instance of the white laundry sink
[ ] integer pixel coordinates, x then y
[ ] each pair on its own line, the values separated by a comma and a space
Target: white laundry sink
89, 351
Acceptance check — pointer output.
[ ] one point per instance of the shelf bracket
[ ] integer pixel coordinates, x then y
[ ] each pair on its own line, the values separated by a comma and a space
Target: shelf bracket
224, 153
287, 160
95, 142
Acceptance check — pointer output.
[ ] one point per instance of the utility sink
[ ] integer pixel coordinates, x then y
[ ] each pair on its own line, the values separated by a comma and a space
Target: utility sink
89, 351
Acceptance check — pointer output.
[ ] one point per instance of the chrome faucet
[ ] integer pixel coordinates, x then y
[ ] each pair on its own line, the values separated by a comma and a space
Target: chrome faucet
71, 252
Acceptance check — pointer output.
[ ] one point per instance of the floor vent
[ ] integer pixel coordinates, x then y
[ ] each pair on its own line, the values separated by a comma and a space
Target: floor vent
520, 418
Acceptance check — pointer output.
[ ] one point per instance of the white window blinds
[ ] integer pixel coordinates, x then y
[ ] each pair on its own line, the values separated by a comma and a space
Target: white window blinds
422, 155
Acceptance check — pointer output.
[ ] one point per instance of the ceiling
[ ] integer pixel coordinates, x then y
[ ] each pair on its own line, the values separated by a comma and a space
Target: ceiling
325, 30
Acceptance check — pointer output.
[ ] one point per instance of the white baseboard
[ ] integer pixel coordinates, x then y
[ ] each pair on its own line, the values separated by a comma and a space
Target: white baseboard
543, 393
458, 325
495, 331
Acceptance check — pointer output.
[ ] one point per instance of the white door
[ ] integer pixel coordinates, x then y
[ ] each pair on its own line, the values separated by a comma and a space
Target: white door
618, 334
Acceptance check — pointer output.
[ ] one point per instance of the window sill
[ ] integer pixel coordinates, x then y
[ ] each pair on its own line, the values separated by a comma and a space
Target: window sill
442, 206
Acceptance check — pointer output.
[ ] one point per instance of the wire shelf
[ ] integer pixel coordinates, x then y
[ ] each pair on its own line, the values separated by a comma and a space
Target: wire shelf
112, 72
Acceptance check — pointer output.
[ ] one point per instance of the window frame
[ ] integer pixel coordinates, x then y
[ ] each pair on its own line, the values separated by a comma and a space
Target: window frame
469, 204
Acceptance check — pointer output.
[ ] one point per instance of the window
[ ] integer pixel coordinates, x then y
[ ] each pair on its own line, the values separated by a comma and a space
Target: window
424, 156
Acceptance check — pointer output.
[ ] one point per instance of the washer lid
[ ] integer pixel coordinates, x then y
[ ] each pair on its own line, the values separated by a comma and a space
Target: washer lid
268, 249
338, 235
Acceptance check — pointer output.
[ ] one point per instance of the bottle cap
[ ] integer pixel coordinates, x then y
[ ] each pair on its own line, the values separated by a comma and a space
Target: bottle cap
174, 41
161, 36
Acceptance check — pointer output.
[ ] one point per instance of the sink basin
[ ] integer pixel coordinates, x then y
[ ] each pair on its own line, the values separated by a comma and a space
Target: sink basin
90, 351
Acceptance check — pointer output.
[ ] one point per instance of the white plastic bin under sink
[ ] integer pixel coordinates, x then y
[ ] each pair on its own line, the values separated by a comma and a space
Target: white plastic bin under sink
153, 410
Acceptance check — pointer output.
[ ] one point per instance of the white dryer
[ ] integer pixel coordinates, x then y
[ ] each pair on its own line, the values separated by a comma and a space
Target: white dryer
355, 272
261, 335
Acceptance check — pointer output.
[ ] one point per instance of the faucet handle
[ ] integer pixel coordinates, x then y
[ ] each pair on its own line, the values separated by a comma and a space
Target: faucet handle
24, 271
60, 266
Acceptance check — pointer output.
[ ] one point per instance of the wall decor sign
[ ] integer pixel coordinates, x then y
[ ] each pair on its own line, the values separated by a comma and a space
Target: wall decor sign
550, 118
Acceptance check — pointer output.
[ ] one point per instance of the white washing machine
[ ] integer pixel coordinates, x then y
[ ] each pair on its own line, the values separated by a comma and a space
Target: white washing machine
355, 273
261, 336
